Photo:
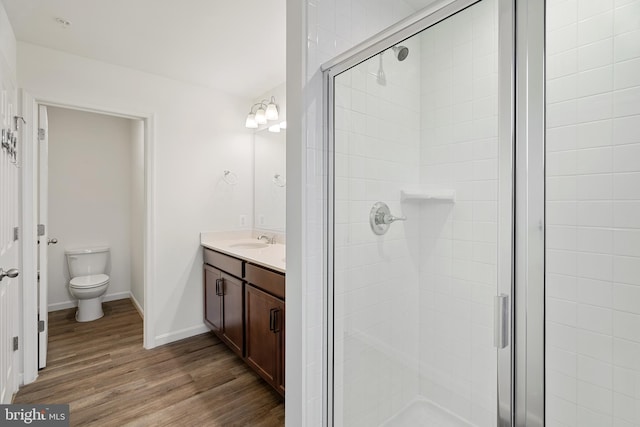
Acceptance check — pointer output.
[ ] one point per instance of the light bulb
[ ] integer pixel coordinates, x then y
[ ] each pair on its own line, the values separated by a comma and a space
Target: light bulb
261, 118
272, 111
283, 125
274, 128
251, 122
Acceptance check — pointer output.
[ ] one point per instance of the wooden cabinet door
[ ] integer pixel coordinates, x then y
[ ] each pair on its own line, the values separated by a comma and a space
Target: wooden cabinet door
212, 298
264, 334
233, 319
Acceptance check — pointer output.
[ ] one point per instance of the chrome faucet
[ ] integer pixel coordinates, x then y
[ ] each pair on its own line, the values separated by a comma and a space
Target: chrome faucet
270, 240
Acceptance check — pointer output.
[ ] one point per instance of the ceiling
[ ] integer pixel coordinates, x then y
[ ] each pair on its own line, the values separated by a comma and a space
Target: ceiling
236, 46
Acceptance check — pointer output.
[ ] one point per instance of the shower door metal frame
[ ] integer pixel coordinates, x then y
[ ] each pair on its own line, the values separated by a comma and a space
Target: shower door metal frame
529, 298
514, 374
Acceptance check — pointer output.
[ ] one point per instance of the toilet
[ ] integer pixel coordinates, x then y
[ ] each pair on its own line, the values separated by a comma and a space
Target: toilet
89, 281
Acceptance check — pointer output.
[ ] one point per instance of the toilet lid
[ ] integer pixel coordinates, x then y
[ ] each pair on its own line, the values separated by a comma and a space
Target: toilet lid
89, 281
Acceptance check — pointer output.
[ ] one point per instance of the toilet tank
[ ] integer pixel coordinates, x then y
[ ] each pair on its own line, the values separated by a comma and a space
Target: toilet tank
87, 261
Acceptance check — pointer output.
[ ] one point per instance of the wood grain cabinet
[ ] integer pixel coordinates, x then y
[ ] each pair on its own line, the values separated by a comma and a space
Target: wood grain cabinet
212, 298
264, 315
244, 305
224, 307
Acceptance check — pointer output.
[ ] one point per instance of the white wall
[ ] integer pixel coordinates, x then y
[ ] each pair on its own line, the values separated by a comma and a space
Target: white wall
137, 212
89, 197
7, 48
593, 213
198, 133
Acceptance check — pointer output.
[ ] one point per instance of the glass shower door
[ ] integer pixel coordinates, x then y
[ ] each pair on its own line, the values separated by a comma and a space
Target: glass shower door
420, 247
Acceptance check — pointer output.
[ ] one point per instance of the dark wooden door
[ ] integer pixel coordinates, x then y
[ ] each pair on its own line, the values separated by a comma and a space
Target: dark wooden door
212, 298
233, 318
265, 321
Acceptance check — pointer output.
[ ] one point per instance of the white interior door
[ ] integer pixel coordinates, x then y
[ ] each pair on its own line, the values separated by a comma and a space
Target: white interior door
43, 159
9, 247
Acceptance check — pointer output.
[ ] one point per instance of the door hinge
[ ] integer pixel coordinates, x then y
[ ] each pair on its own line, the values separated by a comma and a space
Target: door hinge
40, 325
41, 134
501, 321
16, 233
15, 343
41, 229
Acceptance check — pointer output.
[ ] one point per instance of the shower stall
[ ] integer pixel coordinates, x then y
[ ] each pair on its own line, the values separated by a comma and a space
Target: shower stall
483, 205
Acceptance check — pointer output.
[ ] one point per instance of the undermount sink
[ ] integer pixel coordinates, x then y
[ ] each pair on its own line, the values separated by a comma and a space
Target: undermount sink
249, 245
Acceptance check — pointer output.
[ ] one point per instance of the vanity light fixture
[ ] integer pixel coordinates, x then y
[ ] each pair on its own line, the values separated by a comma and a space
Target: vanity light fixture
251, 122
266, 111
261, 117
272, 110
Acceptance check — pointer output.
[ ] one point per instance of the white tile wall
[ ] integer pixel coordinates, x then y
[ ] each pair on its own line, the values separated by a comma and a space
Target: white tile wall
377, 153
414, 307
458, 255
593, 206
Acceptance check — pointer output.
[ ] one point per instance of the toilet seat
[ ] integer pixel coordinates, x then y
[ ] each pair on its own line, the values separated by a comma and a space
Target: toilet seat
87, 282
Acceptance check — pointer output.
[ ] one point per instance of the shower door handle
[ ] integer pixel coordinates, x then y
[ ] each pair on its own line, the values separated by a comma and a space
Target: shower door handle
501, 321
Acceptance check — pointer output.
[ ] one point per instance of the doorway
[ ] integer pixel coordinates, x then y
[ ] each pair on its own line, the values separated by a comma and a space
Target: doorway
136, 157
95, 198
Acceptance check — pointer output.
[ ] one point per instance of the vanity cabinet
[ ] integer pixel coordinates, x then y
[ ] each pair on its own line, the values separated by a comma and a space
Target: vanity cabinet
265, 335
212, 298
244, 306
223, 306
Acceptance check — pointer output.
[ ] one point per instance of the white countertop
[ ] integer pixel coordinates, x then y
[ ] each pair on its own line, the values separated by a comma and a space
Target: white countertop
270, 256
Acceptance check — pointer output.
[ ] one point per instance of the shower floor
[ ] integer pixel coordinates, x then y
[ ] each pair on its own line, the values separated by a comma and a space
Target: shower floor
422, 412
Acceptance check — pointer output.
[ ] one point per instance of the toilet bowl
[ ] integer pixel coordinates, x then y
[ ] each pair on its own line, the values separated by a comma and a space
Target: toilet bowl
89, 281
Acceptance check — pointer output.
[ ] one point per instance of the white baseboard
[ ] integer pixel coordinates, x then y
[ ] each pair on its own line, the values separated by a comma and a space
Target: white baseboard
136, 304
180, 335
71, 304
62, 305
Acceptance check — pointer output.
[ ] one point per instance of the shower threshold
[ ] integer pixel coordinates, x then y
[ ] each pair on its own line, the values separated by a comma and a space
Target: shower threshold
423, 412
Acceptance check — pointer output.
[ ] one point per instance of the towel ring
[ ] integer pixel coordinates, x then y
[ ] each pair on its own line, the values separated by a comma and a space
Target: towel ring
230, 177
279, 180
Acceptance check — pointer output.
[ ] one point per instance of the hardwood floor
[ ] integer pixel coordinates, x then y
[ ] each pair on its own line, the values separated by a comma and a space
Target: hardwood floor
102, 371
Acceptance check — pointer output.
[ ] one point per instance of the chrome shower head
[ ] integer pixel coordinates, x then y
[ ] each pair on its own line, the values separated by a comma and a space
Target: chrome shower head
401, 52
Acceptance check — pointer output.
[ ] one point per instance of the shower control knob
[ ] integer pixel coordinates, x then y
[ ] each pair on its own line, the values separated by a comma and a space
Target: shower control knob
11, 273
52, 241
380, 218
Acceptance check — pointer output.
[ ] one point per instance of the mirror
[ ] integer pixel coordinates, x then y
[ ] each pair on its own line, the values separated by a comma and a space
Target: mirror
269, 180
